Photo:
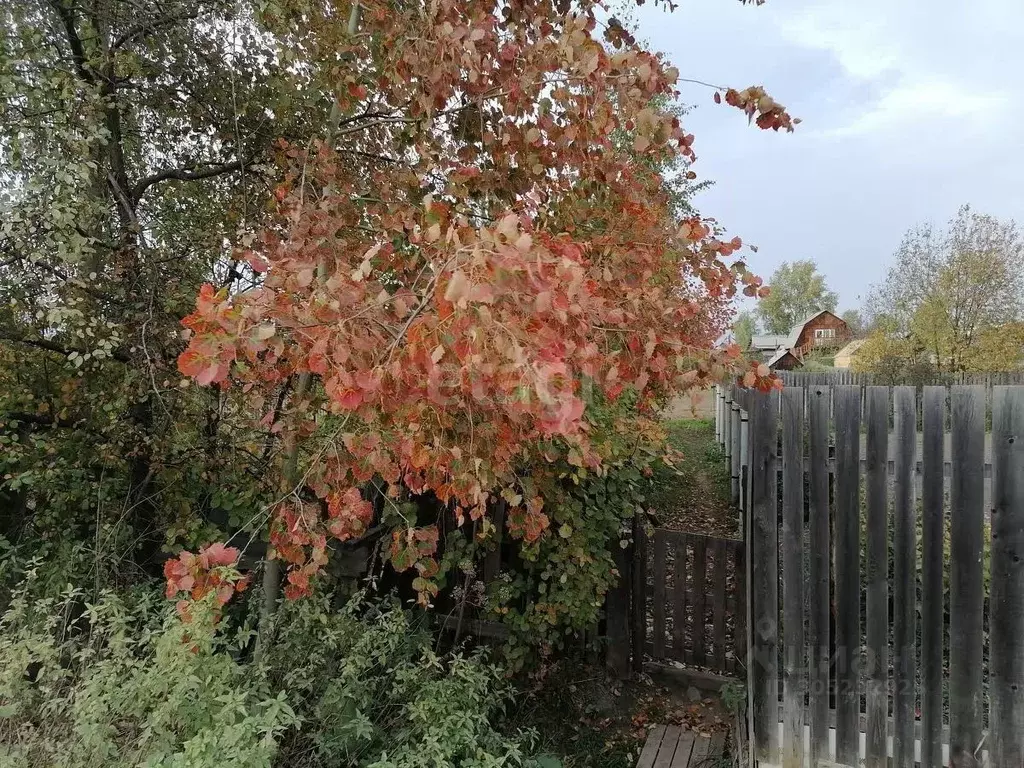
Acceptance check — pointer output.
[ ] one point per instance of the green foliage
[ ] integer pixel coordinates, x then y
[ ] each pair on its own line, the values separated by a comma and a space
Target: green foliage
948, 289
557, 590
744, 327
121, 683
126, 682
797, 290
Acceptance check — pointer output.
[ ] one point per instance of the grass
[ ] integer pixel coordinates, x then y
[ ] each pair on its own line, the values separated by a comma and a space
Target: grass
694, 494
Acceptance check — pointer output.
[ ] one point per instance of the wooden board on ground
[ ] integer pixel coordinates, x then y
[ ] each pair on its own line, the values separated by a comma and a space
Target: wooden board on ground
669, 746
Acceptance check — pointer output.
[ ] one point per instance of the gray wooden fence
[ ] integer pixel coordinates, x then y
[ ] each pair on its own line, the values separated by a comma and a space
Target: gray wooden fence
849, 630
841, 376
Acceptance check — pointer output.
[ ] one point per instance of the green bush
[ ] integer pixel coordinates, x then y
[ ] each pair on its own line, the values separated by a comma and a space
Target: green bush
128, 682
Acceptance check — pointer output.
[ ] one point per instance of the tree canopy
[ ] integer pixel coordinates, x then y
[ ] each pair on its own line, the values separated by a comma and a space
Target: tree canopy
797, 290
430, 260
948, 289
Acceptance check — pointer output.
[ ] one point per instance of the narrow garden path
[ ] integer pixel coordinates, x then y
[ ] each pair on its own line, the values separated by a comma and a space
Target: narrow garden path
693, 495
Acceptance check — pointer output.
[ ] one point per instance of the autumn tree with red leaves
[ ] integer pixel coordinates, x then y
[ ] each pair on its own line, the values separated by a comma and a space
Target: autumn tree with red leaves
462, 267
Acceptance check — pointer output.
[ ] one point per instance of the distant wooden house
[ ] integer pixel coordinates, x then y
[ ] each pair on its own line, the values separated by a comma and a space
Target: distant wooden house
784, 360
822, 330
766, 345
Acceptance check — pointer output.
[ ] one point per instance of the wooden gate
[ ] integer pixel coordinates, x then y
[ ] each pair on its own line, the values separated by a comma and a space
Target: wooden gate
854, 640
694, 600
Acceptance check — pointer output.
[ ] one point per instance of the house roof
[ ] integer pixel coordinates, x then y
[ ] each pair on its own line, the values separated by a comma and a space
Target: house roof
779, 355
767, 342
796, 330
850, 349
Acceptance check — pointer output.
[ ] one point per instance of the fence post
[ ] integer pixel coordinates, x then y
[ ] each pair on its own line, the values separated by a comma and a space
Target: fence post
933, 411
966, 597
847, 577
638, 600
763, 544
904, 630
876, 414
617, 614
818, 574
794, 673
1006, 618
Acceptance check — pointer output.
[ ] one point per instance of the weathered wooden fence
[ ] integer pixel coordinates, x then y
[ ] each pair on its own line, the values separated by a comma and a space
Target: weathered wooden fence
695, 597
853, 643
800, 378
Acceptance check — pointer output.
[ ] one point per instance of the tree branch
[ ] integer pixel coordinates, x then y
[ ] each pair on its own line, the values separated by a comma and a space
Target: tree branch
74, 41
186, 174
52, 346
149, 27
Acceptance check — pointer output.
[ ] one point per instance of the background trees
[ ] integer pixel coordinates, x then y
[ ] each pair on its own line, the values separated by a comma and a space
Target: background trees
956, 291
797, 290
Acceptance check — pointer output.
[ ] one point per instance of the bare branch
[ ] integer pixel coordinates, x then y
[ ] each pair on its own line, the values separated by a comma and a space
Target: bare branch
187, 174
52, 346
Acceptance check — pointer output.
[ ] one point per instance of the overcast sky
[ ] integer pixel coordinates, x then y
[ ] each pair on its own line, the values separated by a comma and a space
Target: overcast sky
910, 108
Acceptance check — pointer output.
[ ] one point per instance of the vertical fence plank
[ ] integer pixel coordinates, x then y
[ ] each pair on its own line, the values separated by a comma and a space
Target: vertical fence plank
876, 416
739, 605
718, 414
967, 404
735, 459
617, 617
718, 550
933, 411
744, 461
904, 630
818, 598
658, 597
1006, 617
492, 560
727, 426
794, 669
638, 600
679, 599
847, 567
700, 602
763, 543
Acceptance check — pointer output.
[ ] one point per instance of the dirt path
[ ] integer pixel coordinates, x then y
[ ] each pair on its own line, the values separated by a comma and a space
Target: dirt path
694, 495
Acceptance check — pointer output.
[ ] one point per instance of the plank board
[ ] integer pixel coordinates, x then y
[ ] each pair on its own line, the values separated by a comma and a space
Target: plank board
651, 747
818, 573
933, 411
698, 626
638, 596
1006, 619
876, 416
735, 459
904, 630
658, 593
679, 599
794, 669
846, 404
763, 542
718, 595
966, 600
699, 755
739, 604
670, 743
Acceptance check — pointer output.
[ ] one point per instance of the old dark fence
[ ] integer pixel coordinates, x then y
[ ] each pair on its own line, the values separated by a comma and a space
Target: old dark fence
850, 612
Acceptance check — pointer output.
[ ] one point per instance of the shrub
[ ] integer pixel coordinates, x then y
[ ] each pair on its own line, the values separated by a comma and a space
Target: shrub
127, 681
